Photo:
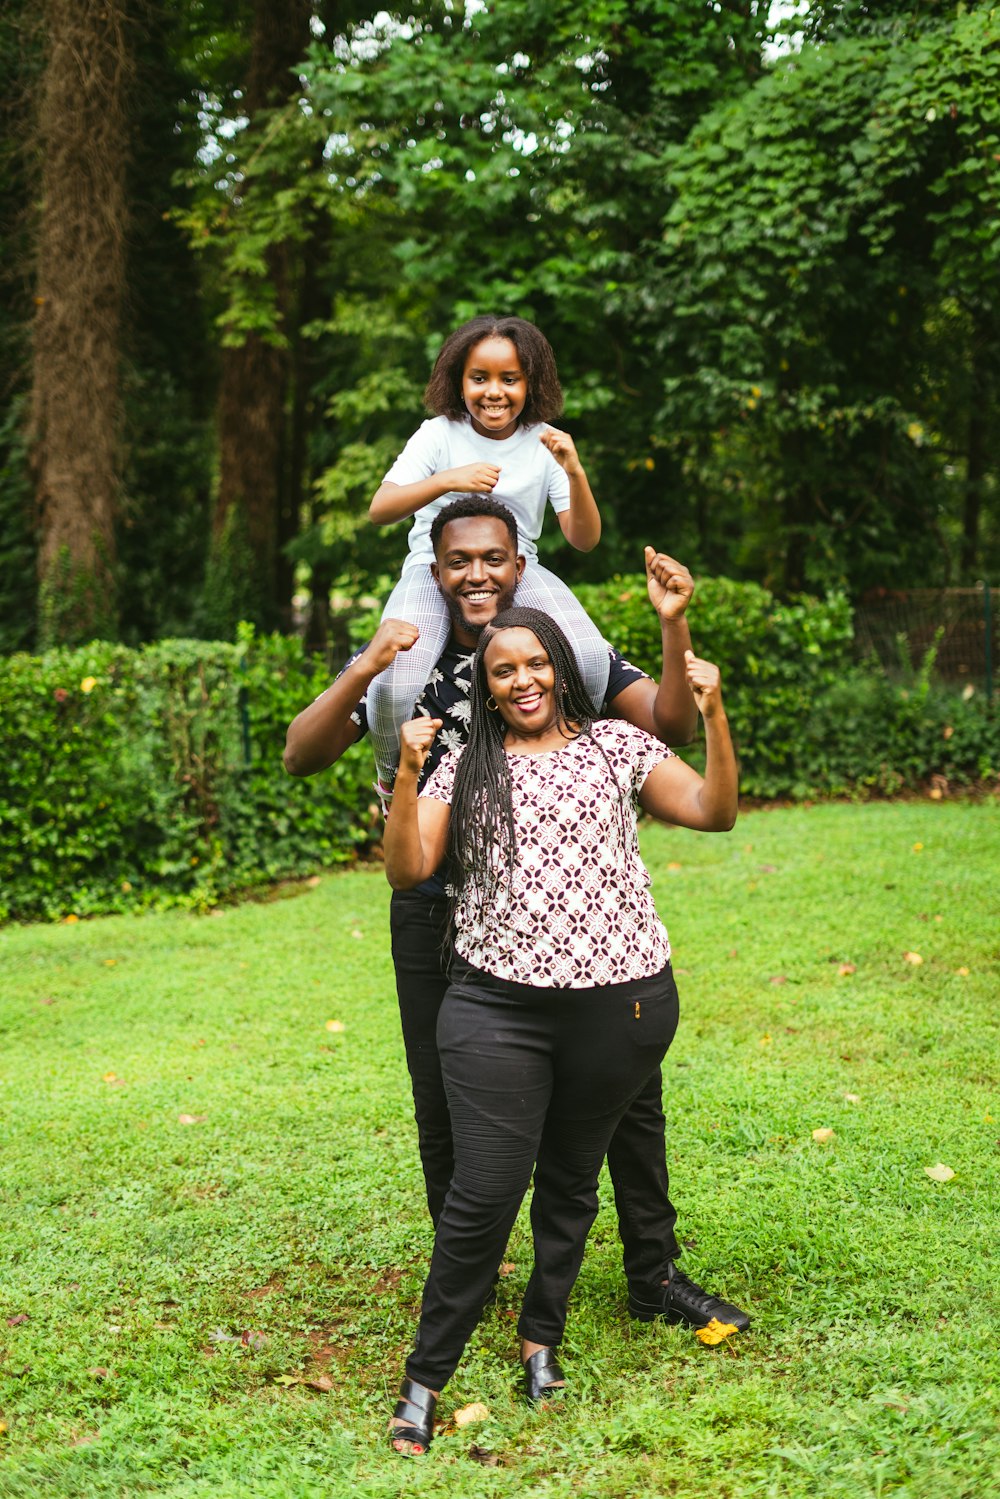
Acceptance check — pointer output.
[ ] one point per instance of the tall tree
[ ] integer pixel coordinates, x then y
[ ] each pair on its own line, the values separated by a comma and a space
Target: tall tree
826, 285
81, 255
246, 565
20, 61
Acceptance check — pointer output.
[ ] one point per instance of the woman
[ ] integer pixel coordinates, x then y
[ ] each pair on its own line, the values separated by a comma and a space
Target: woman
562, 1000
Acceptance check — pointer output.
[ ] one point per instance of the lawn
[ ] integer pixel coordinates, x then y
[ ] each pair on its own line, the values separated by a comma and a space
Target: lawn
211, 1194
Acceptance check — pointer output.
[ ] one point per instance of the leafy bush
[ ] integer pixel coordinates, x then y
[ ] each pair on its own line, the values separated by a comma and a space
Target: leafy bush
806, 718
154, 777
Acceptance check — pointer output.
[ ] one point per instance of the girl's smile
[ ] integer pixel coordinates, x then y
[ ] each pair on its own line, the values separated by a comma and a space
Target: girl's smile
494, 387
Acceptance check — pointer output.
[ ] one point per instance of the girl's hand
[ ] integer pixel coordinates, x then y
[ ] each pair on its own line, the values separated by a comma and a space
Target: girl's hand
705, 682
473, 478
562, 447
415, 740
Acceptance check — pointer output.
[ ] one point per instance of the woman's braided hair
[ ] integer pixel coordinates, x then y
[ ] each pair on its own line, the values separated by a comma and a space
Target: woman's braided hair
482, 842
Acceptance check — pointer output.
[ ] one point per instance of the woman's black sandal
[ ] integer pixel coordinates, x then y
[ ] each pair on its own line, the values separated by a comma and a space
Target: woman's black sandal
542, 1376
415, 1408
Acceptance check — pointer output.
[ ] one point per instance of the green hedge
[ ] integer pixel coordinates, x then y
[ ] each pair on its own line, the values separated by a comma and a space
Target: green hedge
153, 777
807, 719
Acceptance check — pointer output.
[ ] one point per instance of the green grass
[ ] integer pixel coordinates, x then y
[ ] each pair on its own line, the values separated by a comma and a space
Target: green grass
139, 1246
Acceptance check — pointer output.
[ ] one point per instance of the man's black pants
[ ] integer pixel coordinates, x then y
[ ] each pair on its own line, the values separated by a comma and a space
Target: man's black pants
636, 1155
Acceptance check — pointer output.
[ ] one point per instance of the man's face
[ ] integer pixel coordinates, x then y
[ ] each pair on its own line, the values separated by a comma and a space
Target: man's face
477, 570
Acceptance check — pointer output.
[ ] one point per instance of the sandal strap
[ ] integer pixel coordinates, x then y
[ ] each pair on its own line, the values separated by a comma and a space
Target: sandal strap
416, 1404
541, 1372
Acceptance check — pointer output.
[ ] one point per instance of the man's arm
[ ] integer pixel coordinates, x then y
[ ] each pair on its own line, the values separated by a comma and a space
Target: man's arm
321, 733
666, 708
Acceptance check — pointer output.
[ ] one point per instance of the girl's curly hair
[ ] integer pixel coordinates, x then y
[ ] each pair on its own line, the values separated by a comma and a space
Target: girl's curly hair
443, 395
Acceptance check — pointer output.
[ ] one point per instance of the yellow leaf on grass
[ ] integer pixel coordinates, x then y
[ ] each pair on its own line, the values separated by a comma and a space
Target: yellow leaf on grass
716, 1332
852, 1098
962, 972
918, 848
470, 1413
88, 684
939, 1173
845, 969
822, 1135
913, 957
191, 1118
336, 1026
109, 1077
288, 1379
673, 866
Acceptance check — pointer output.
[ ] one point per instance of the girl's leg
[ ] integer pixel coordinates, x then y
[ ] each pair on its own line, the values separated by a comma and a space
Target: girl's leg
608, 1043
541, 589
391, 696
498, 1075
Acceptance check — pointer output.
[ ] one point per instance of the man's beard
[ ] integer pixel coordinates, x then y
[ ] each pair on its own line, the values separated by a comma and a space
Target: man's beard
505, 600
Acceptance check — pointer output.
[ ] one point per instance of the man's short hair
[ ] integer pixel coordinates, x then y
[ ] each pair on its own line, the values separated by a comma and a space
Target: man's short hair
466, 508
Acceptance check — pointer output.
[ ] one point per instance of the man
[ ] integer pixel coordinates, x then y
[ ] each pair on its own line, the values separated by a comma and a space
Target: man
477, 568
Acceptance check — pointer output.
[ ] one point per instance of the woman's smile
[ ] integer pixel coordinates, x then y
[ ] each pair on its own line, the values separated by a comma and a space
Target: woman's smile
522, 683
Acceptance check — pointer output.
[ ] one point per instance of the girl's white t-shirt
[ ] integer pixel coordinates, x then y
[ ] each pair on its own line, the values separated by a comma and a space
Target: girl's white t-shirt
529, 476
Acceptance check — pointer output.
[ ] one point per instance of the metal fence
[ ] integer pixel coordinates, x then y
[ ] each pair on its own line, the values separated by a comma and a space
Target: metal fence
959, 624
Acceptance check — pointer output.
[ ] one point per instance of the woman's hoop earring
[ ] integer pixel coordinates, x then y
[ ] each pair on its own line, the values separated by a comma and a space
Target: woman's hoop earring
492, 703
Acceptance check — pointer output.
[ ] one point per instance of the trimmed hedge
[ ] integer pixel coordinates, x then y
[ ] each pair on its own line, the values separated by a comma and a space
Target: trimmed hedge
137, 778
154, 777
807, 719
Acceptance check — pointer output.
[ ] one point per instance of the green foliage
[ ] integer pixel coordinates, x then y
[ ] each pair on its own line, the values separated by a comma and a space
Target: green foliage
154, 777
807, 720
74, 596
233, 588
825, 289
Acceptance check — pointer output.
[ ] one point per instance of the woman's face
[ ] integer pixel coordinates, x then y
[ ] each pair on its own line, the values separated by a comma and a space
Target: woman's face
494, 386
522, 680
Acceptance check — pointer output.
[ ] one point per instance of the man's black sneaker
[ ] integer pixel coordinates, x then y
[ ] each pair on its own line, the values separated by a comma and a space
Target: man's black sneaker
678, 1299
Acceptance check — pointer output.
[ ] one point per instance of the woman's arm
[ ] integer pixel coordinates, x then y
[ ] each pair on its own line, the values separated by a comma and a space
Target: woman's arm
393, 502
416, 833
674, 792
581, 523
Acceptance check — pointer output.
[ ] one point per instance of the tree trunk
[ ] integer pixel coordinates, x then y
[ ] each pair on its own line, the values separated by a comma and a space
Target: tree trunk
255, 376
80, 278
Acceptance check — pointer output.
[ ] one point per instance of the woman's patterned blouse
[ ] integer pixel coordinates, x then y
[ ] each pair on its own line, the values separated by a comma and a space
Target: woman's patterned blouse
577, 911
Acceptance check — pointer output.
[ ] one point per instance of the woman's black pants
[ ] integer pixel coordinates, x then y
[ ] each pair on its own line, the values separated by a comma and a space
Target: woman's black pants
647, 1219
535, 1078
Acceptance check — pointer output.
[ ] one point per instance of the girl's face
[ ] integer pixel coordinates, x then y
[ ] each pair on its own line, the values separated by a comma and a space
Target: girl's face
522, 680
494, 387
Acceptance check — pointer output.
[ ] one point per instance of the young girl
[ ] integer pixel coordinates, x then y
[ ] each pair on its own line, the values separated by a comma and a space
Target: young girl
494, 388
